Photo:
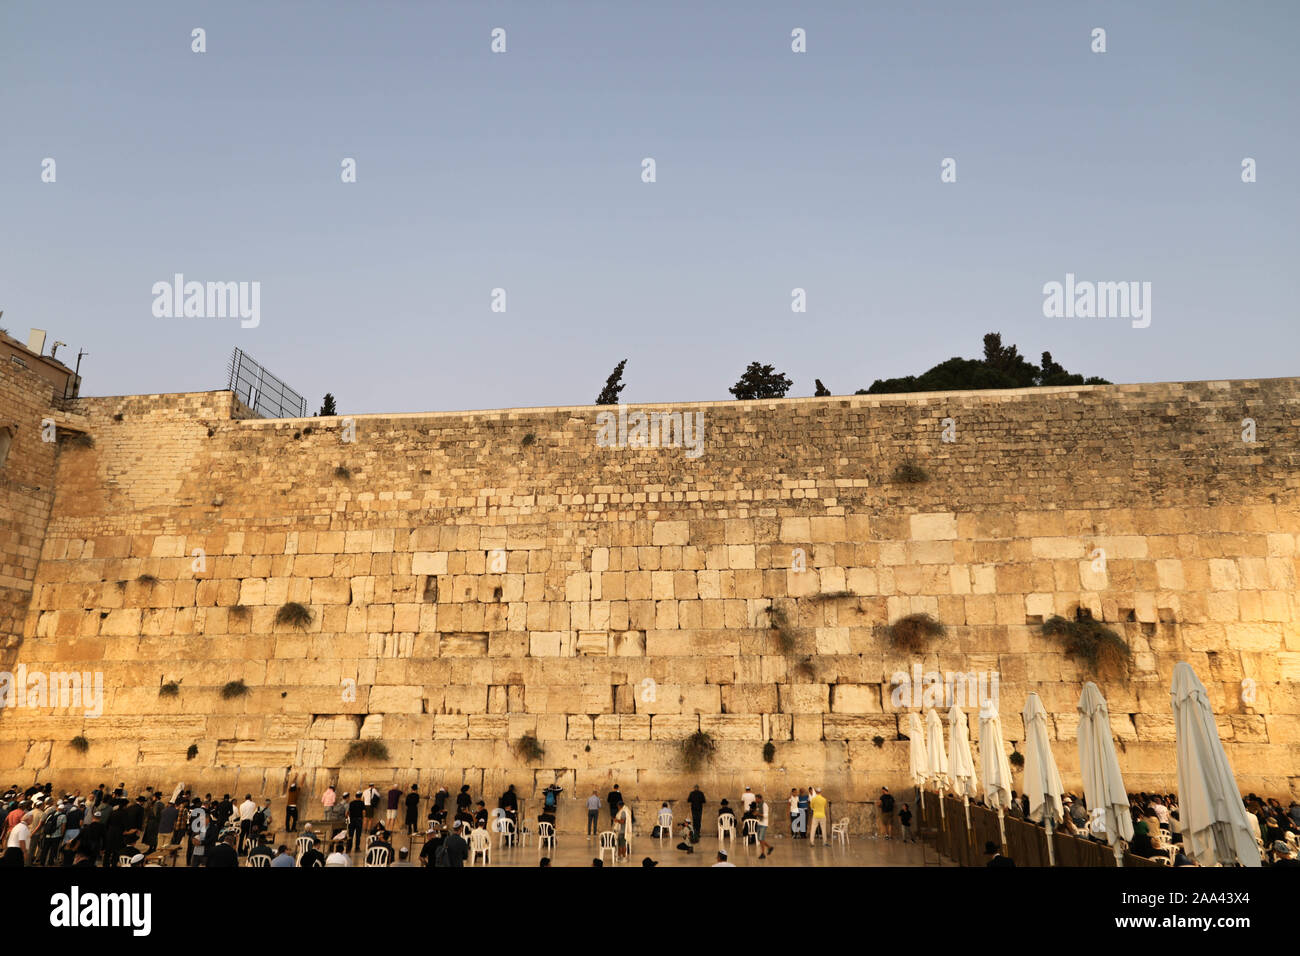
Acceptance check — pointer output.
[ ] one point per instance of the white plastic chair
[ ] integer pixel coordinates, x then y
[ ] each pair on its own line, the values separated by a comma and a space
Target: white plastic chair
259, 861
609, 841
727, 827
124, 859
479, 843
377, 856
304, 844
749, 831
840, 831
545, 835
505, 828
665, 825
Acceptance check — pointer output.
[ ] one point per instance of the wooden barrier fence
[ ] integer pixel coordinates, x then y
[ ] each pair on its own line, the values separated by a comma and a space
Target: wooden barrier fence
1026, 842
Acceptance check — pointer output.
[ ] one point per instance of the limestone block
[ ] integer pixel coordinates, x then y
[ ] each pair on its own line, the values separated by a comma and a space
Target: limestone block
933, 527
855, 699
806, 727
634, 727
701, 699
796, 530
450, 726
125, 622
401, 699
550, 644
732, 726
673, 727
670, 533
756, 698
858, 727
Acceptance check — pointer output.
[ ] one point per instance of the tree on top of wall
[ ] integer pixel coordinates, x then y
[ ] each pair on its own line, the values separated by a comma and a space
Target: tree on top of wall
613, 385
327, 406
1001, 367
761, 381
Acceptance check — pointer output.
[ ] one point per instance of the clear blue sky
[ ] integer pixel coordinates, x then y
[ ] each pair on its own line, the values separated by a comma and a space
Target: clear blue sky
522, 171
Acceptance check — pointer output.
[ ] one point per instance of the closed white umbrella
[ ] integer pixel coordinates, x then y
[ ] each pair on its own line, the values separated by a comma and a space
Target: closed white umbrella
995, 766
1210, 811
1103, 786
1042, 779
918, 762
960, 762
937, 767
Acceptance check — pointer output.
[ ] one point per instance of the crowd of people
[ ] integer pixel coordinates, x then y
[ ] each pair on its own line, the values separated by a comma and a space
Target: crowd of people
1156, 831
112, 827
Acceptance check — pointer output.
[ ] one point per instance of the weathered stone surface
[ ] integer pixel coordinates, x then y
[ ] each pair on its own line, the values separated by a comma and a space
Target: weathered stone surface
612, 604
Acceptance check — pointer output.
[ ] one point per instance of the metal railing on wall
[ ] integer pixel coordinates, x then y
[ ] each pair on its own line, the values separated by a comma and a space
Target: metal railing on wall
261, 391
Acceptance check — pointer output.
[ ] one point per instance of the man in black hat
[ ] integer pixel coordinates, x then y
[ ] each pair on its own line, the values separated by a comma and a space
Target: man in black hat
995, 856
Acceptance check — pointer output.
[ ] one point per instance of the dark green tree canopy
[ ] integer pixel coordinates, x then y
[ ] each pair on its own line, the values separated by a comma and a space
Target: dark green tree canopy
761, 381
1001, 367
613, 385
327, 406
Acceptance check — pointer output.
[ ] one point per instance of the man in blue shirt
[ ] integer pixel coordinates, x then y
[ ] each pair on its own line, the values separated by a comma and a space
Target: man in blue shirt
283, 858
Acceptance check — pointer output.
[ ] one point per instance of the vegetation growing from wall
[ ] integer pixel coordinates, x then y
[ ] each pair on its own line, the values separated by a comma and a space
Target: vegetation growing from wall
363, 750
913, 632
294, 614
1099, 648
697, 750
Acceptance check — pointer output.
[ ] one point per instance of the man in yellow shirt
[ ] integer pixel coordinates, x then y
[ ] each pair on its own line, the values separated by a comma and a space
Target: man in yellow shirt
818, 805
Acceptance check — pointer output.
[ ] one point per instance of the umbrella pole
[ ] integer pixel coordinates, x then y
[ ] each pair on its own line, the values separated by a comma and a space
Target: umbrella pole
1002, 829
1119, 854
1051, 850
970, 835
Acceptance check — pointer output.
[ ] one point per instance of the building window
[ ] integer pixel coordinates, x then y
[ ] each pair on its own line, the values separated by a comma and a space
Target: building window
6, 439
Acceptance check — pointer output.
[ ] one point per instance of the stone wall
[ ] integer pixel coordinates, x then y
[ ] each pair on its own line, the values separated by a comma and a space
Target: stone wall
26, 492
477, 577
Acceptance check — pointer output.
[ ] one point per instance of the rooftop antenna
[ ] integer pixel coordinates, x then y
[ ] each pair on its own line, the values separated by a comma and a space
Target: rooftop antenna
55, 347
76, 375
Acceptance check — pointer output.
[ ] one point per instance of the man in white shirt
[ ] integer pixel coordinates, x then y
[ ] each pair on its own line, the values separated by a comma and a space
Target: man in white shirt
20, 838
765, 848
746, 800
794, 812
1252, 821
338, 857
722, 859
247, 810
1161, 811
